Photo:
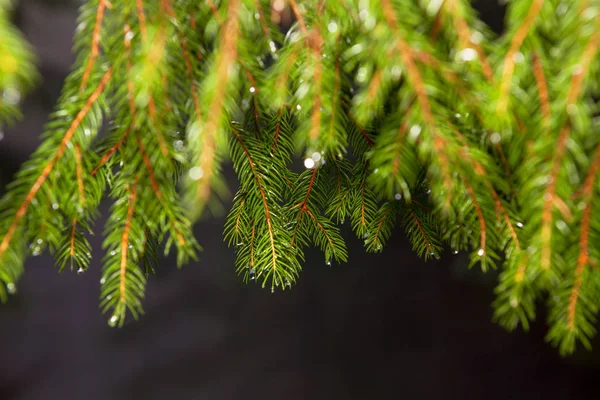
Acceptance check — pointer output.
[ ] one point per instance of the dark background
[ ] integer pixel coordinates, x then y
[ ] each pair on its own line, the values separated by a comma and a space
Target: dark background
379, 327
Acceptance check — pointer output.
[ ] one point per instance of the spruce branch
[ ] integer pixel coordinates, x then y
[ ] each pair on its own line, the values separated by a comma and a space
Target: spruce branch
408, 115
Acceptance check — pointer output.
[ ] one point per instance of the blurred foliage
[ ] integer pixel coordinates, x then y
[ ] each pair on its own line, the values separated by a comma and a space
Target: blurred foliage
17, 72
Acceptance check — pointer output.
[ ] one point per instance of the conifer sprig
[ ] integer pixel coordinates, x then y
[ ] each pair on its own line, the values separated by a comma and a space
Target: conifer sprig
408, 116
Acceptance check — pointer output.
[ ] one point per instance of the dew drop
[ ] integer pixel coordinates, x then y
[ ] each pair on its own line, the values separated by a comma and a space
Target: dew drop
562, 9
272, 46
252, 89
396, 72
11, 287
398, 196
514, 302
370, 22
495, 138
519, 224
102, 281
433, 7
309, 163
480, 252
361, 75
414, 132
467, 54
332, 27
55, 206
80, 270
113, 320
476, 37
518, 57
327, 262
195, 173
11, 96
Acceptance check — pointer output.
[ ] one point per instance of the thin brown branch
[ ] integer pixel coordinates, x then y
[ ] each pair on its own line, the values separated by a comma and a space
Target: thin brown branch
509, 60
215, 11
155, 186
139, 5
439, 143
465, 36
299, 16
95, 51
482, 223
50, 165
308, 190
548, 197
583, 259
111, 151
73, 231
317, 82
381, 222
420, 227
125, 244
480, 170
321, 228
79, 171
263, 20
584, 65
226, 57
540, 79
263, 197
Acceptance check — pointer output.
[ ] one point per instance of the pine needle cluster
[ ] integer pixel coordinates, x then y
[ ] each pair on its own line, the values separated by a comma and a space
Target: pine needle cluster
408, 115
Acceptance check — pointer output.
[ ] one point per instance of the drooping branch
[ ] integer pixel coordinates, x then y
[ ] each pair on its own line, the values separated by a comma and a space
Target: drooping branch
22, 210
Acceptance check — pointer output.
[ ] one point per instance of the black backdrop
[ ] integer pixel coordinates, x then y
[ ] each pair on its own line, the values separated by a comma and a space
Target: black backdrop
379, 327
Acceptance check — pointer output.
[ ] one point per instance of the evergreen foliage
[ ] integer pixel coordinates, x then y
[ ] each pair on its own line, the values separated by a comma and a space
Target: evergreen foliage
409, 115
